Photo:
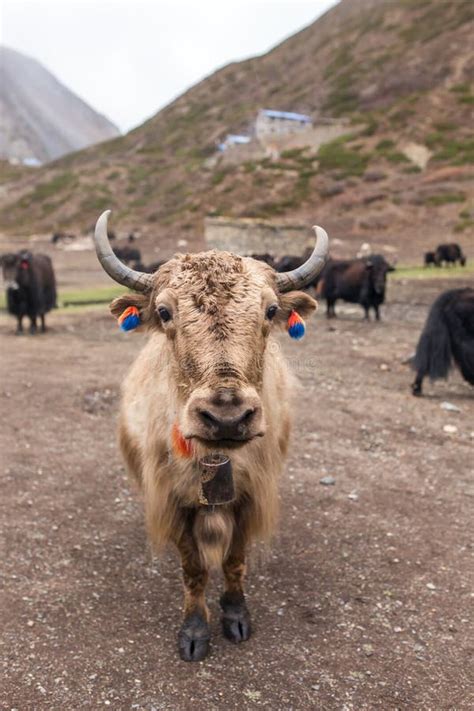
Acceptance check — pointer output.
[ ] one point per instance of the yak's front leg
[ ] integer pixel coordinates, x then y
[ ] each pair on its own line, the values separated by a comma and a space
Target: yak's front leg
417, 385
236, 617
194, 635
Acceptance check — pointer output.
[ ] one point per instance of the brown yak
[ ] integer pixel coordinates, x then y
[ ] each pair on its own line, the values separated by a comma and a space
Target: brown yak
210, 379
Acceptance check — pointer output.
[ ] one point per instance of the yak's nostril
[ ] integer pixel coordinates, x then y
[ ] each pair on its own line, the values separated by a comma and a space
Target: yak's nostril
247, 416
208, 418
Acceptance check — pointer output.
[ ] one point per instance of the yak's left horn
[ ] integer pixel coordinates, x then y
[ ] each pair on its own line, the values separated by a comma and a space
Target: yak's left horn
138, 281
303, 276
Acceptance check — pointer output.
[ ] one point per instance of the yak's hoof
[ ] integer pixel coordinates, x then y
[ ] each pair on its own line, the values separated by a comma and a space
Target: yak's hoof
416, 390
236, 618
193, 638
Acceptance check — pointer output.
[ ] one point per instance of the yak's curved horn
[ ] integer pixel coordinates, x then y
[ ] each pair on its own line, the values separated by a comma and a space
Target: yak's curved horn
303, 276
138, 281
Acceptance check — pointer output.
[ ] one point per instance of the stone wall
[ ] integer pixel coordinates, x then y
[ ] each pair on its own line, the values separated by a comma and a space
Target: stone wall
249, 236
313, 138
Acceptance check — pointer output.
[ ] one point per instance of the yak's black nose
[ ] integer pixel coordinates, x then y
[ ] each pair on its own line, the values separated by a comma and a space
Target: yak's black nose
226, 413
222, 426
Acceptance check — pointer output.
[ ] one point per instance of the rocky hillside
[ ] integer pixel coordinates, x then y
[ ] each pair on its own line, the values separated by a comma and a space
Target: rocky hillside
41, 119
399, 71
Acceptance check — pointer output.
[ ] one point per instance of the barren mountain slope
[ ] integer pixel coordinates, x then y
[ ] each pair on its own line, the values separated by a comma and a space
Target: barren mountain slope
40, 117
399, 71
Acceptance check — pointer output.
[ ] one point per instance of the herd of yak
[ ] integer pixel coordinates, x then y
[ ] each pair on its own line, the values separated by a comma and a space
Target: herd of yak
448, 335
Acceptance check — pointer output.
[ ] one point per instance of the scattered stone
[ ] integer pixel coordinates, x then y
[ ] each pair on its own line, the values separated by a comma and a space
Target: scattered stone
450, 429
97, 401
30, 623
353, 496
327, 480
252, 695
431, 586
449, 407
373, 197
417, 153
368, 650
373, 176
384, 366
332, 190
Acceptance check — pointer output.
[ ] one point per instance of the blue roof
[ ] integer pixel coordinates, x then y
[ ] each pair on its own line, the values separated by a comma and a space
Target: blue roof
289, 115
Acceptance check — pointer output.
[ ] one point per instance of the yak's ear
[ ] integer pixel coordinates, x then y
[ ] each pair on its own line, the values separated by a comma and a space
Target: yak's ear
140, 301
298, 301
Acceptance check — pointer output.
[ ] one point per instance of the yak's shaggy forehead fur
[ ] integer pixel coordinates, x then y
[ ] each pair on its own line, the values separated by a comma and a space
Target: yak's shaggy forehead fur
218, 301
209, 281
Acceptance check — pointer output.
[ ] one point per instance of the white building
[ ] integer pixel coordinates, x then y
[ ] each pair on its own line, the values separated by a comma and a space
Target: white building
280, 122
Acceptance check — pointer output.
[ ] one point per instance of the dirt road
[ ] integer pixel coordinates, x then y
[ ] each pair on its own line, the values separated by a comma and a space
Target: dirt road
363, 602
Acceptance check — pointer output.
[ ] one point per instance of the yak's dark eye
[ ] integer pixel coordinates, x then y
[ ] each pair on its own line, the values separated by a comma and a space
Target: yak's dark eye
164, 314
271, 311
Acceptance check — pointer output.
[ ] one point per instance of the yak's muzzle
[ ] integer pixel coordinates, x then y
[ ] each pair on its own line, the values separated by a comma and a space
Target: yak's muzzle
226, 414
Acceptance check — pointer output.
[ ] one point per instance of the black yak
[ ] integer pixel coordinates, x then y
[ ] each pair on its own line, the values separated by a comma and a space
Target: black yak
30, 285
449, 253
448, 336
358, 281
266, 257
291, 261
430, 258
149, 268
128, 254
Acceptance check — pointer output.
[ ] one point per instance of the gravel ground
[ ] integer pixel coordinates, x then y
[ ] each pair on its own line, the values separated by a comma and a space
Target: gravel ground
364, 600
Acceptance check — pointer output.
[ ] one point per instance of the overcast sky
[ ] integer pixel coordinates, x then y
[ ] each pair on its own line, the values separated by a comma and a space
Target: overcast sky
129, 58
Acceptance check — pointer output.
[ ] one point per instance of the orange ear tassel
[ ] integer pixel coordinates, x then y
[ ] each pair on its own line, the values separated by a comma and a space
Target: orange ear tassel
182, 447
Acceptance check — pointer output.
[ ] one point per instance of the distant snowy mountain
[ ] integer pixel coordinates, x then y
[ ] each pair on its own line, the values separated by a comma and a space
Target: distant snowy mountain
40, 118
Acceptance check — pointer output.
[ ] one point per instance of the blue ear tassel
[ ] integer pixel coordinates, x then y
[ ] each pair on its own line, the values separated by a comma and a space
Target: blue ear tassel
296, 327
129, 319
